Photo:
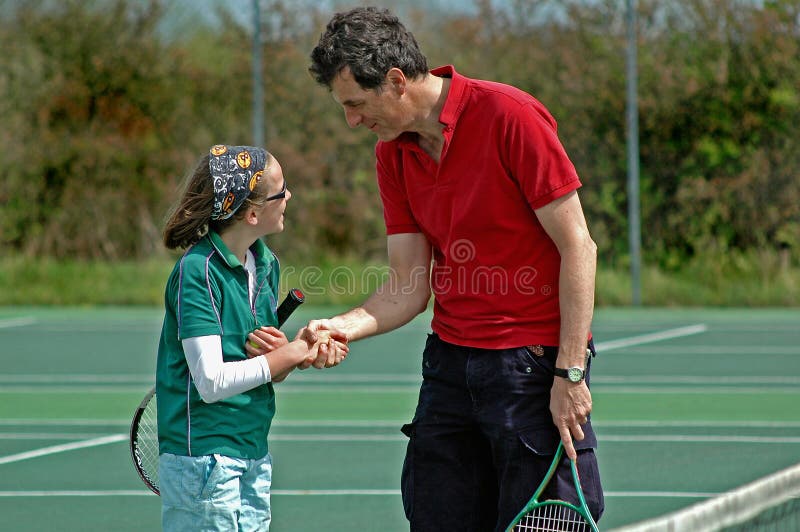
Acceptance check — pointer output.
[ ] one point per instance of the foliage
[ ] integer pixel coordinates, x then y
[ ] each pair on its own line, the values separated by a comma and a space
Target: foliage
104, 111
87, 139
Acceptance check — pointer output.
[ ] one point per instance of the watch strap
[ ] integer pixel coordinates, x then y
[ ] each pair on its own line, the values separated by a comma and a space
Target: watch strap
573, 374
564, 373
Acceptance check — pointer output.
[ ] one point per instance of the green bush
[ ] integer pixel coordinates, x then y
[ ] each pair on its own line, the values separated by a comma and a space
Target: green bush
105, 107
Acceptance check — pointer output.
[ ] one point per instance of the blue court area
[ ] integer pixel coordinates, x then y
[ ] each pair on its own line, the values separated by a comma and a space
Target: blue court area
687, 404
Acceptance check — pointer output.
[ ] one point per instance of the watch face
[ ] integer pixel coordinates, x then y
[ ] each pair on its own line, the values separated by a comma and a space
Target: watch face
575, 374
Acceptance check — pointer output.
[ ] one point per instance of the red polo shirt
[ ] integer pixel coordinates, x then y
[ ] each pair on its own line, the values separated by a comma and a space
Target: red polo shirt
495, 271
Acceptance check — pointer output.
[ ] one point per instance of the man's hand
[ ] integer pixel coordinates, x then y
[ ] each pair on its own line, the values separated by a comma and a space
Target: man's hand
570, 405
331, 344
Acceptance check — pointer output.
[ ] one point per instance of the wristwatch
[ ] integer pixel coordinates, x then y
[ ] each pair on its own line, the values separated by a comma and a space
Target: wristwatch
573, 374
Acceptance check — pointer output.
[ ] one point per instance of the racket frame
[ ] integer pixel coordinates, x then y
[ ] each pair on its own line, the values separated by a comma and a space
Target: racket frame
534, 502
134, 441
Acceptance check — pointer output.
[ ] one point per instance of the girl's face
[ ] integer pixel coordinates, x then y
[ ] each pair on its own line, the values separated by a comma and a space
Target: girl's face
270, 215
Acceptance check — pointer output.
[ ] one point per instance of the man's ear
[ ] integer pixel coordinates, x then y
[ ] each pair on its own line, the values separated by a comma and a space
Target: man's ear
396, 80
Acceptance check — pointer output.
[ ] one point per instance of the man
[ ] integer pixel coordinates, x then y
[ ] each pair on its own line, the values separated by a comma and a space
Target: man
481, 209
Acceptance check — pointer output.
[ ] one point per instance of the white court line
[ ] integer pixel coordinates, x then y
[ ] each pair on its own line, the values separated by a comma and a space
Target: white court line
17, 322
698, 424
328, 493
392, 492
300, 388
146, 378
618, 387
663, 494
23, 378
674, 438
696, 390
600, 388
110, 389
387, 423
679, 438
148, 493
45, 451
367, 423
46, 436
721, 349
328, 437
337, 437
66, 422
20, 381
668, 334
396, 492
695, 379
76, 493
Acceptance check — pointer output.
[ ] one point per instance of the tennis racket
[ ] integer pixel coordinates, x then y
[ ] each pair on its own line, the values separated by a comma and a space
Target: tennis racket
554, 515
144, 427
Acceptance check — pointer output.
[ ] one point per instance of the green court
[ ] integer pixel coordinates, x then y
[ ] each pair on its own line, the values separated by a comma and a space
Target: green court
687, 404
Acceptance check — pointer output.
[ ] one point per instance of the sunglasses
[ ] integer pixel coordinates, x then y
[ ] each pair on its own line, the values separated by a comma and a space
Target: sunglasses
279, 195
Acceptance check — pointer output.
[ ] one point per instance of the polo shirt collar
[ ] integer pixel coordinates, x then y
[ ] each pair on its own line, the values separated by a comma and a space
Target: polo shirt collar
451, 110
454, 104
259, 249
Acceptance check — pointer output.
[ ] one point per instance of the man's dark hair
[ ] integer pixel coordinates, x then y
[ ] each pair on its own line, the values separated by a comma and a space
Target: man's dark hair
370, 41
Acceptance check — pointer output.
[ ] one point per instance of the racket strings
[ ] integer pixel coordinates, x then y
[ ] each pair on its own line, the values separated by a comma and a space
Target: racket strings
146, 442
552, 518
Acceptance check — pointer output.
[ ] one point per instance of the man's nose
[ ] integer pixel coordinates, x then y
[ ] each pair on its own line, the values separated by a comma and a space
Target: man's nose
353, 118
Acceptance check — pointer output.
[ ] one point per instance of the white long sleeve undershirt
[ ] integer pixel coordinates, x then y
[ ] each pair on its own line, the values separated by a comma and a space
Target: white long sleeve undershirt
216, 379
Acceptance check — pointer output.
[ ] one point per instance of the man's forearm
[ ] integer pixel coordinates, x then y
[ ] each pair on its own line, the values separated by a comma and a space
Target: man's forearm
576, 300
387, 309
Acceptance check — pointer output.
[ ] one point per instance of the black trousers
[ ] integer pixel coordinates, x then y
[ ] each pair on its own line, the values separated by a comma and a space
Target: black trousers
482, 439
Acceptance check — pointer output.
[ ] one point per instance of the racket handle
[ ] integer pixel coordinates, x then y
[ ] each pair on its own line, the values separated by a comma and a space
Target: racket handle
294, 299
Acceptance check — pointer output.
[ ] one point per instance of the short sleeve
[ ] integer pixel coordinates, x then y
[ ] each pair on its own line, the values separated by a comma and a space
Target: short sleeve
537, 158
197, 300
397, 213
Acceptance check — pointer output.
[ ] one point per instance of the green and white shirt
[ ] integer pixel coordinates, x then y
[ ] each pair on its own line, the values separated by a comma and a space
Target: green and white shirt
207, 294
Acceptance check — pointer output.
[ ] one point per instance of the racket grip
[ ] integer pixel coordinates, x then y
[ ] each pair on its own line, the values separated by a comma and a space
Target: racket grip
294, 299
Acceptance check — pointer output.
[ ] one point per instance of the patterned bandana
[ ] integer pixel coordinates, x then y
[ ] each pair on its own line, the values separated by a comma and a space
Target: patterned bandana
236, 170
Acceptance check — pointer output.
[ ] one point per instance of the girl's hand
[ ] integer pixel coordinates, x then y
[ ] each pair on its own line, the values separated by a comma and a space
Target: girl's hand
263, 340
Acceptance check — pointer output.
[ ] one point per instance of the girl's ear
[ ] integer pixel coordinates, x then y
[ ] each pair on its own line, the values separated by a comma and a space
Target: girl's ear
251, 217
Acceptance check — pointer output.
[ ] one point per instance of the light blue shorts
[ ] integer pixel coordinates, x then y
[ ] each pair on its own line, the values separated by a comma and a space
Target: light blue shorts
214, 493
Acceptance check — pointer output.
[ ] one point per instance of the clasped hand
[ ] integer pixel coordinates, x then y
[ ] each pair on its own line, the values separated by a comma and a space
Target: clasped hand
326, 347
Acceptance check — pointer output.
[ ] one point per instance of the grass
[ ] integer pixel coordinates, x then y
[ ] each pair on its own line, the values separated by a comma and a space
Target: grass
750, 281
50, 282
89, 283
741, 280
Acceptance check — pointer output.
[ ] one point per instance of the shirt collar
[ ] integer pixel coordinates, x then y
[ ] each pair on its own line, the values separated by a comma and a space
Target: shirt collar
454, 103
259, 249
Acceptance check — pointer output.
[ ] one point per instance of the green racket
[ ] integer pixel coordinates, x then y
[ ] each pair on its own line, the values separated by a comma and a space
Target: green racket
554, 515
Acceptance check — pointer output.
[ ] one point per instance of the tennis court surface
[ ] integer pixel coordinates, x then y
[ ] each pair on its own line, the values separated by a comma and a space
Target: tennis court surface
687, 404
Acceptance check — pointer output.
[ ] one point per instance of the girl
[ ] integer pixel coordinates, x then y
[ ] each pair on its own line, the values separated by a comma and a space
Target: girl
215, 404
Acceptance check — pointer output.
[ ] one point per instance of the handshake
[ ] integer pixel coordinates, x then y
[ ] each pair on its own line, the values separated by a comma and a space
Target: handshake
317, 344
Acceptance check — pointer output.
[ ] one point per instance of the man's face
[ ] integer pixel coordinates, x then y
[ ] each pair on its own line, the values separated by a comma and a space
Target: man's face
380, 111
